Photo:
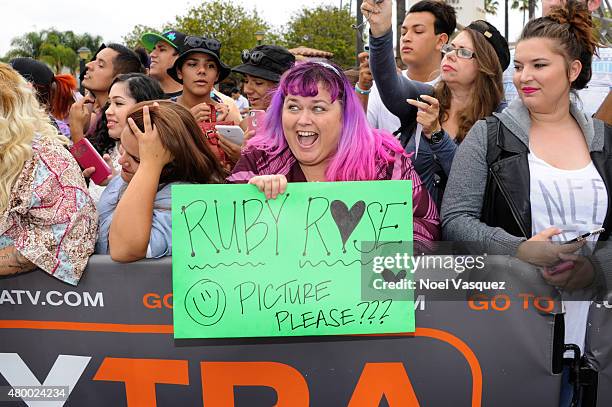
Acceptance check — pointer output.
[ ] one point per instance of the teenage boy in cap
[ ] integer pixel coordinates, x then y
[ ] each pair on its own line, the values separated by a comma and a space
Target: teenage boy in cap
164, 50
198, 68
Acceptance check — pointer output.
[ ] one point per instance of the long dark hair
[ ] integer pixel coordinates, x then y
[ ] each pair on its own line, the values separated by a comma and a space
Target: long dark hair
488, 88
180, 134
142, 88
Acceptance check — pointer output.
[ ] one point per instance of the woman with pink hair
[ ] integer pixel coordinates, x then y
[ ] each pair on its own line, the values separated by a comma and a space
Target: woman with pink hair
316, 130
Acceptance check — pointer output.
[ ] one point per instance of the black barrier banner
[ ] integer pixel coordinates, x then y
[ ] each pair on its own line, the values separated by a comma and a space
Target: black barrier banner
109, 342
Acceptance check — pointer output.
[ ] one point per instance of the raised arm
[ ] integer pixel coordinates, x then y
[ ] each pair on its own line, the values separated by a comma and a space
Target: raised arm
393, 87
130, 230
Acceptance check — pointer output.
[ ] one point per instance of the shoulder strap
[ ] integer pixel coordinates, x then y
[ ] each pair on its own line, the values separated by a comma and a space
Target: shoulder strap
493, 129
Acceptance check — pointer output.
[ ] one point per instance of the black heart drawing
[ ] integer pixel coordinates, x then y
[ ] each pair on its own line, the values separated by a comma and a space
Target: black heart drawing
389, 277
346, 220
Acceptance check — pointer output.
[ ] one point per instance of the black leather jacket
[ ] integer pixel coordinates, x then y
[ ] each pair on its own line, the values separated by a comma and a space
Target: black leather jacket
506, 203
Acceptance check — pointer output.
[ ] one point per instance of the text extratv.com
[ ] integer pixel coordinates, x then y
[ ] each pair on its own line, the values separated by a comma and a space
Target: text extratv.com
51, 298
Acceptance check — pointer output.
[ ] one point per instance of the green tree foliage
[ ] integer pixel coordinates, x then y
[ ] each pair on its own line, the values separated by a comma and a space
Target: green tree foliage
56, 54
132, 39
27, 45
56, 48
327, 28
76, 41
491, 6
226, 21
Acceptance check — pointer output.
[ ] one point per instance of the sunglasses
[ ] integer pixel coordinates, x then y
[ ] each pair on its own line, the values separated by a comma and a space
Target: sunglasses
461, 52
201, 42
255, 58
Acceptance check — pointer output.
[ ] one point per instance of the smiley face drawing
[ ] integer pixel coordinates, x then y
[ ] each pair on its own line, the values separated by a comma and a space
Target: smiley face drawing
205, 302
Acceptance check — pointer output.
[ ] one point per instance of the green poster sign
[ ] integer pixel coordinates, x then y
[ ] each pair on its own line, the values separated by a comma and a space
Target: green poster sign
298, 265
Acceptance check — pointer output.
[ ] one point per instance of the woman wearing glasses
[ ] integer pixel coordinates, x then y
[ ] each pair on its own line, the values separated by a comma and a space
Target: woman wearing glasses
470, 89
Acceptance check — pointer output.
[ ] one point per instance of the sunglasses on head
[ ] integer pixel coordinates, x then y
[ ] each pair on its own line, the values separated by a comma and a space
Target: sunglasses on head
201, 42
255, 58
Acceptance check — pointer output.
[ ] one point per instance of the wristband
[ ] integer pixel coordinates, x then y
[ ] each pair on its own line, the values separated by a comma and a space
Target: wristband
361, 91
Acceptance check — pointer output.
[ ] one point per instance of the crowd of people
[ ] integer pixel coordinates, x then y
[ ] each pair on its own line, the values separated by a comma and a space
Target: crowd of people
483, 165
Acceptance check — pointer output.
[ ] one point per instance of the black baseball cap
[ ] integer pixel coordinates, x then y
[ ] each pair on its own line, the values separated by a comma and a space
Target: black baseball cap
494, 37
33, 71
266, 62
172, 37
194, 44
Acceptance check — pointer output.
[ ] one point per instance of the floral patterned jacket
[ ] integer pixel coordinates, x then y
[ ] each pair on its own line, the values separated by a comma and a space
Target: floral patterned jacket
51, 219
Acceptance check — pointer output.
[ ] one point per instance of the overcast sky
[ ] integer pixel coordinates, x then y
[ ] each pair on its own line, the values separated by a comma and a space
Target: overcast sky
112, 19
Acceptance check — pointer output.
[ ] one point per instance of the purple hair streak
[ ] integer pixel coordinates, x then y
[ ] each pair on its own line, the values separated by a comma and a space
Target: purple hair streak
360, 146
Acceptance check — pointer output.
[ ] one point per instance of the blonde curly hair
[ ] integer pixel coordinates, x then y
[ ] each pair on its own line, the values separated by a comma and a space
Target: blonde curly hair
21, 118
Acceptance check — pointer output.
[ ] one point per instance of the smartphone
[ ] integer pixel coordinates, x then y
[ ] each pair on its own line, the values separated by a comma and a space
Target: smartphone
76, 96
255, 119
232, 133
87, 156
216, 97
585, 235
420, 99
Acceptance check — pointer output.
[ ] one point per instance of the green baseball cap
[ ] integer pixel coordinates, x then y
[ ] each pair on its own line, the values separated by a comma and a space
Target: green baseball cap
172, 37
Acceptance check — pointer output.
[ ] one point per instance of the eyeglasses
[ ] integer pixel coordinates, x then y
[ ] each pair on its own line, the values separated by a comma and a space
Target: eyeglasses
198, 42
461, 52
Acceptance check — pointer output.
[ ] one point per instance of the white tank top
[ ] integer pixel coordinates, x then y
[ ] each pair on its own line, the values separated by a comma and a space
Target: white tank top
575, 201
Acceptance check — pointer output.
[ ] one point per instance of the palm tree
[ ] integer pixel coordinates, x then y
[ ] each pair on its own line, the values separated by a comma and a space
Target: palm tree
28, 45
56, 48
524, 6
76, 41
56, 54
532, 7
